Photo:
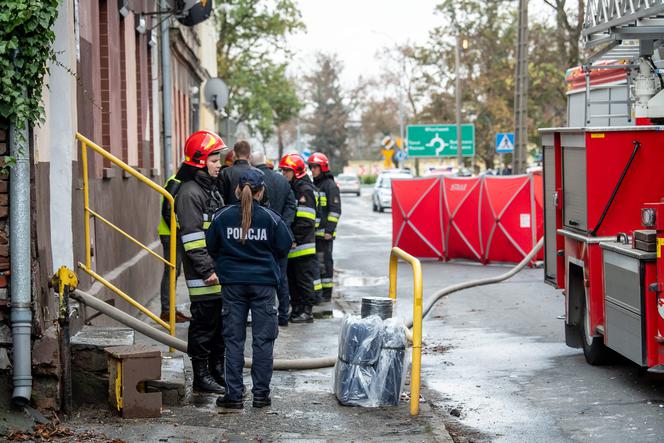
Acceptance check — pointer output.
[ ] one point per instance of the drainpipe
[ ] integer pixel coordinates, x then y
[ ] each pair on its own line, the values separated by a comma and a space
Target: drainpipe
167, 96
19, 242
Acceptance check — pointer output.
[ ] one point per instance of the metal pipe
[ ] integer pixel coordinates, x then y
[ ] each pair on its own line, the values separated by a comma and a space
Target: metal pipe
19, 239
65, 352
181, 345
167, 96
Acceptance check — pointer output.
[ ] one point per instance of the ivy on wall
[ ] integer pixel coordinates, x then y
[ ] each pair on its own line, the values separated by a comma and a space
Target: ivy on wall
26, 45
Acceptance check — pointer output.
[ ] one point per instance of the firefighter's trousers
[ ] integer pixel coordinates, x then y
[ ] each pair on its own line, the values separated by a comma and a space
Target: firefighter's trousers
303, 281
326, 264
205, 331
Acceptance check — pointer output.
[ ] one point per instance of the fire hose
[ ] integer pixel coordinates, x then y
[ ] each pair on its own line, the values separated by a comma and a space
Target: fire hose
299, 363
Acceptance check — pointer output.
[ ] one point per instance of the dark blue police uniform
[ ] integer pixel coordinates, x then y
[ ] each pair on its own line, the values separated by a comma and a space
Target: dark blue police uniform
249, 274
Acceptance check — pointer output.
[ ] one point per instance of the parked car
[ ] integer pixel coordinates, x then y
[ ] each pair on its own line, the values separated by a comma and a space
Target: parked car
348, 183
382, 193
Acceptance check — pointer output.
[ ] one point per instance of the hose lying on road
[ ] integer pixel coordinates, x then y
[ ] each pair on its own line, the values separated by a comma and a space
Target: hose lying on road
294, 364
435, 298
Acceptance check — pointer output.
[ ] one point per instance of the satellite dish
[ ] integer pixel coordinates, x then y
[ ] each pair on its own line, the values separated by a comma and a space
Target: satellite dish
193, 12
216, 93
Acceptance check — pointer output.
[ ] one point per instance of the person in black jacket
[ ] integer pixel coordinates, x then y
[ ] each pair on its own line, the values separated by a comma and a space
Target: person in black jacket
330, 212
230, 177
196, 201
303, 273
247, 241
280, 199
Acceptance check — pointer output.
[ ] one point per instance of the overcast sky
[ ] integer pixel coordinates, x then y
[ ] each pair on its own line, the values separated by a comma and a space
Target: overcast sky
356, 29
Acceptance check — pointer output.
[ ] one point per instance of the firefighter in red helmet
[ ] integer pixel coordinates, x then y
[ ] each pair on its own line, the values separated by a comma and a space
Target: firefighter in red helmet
303, 273
330, 212
195, 203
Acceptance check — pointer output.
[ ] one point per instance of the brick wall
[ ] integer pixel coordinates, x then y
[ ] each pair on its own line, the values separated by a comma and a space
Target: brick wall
5, 326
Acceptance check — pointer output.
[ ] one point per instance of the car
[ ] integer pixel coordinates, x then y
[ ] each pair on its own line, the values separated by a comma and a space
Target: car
348, 183
382, 193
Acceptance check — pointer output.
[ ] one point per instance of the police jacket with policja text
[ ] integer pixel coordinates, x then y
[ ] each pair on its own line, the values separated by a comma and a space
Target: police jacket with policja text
256, 262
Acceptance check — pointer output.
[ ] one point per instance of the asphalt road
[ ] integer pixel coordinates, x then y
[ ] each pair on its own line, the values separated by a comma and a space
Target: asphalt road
495, 356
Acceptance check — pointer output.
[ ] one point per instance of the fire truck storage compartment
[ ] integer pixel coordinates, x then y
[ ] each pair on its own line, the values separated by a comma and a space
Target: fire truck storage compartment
575, 214
598, 162
549, 157
624, 299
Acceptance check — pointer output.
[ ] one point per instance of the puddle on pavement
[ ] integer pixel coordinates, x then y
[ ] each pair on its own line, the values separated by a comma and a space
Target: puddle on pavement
483, 379
349, 281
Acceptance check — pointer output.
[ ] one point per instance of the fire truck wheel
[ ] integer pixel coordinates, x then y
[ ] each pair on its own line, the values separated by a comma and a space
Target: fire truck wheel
593, 347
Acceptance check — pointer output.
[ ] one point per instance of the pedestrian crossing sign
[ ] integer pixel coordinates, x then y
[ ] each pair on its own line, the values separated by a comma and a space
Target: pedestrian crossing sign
504, 142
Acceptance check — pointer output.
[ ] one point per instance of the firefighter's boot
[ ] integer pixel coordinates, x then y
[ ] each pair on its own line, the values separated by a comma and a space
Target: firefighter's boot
203, 381
217, 370
306, 316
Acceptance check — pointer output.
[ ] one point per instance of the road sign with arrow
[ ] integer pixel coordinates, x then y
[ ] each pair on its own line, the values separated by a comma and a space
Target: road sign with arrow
440, 140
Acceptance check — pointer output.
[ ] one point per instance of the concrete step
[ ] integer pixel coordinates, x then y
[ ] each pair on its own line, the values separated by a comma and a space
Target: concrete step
90, 368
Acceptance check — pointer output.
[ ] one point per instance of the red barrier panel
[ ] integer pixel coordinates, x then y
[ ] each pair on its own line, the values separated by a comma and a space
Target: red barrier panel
416, 217
509, 218
461, 198
482, 219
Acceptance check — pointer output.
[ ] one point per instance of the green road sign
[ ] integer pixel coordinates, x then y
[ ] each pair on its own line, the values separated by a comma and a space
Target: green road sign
440, 140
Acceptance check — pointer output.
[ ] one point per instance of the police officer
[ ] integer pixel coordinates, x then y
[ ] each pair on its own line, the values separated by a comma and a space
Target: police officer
303, 273
197, 200
164, 229
247, 241
330, 212
281, 200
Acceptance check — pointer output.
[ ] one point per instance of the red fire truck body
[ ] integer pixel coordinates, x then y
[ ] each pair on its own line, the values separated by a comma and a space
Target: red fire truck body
597, 180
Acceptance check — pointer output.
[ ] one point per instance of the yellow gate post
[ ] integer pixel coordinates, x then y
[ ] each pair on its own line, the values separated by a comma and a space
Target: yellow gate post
416, 365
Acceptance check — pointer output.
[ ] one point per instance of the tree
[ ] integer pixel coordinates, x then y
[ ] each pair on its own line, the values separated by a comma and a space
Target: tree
252, 37
327, 123
569, 24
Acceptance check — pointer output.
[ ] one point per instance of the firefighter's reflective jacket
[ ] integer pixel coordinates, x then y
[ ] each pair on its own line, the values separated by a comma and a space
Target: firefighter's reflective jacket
172, 185
196, 202
304, 225
330, 205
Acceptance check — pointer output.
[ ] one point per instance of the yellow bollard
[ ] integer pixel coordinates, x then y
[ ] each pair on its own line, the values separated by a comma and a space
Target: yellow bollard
416, 365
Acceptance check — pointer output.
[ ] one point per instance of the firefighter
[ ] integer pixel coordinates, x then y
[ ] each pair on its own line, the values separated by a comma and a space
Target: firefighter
247, 241
303, 273
197, 200
330, 211
164, 229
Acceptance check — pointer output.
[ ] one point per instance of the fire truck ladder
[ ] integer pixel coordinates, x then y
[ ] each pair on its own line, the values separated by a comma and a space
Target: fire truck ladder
623, 29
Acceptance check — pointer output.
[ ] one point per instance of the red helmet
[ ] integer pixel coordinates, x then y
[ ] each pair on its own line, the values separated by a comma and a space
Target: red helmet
199, 146
294, 162
230, 158
320, 159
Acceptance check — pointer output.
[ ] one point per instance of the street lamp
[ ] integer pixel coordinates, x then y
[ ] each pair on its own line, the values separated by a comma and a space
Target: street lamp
460, 43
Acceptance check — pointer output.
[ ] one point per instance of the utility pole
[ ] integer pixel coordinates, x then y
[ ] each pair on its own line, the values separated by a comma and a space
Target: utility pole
520, 156
401, 112
457, 62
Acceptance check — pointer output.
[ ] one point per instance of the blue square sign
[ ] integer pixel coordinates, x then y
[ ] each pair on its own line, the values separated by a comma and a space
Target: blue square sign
504, 142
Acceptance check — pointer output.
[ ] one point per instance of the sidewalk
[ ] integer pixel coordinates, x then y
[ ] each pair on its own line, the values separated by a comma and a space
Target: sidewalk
303, 409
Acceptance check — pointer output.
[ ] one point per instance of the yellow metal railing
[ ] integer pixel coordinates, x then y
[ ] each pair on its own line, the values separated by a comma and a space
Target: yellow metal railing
89, 213
416, 365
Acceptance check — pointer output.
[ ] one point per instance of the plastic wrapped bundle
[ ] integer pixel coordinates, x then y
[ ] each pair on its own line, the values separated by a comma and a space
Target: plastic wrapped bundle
388, 382
360, 340
371, 363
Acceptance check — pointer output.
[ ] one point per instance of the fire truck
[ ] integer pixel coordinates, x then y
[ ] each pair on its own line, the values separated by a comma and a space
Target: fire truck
604, 188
